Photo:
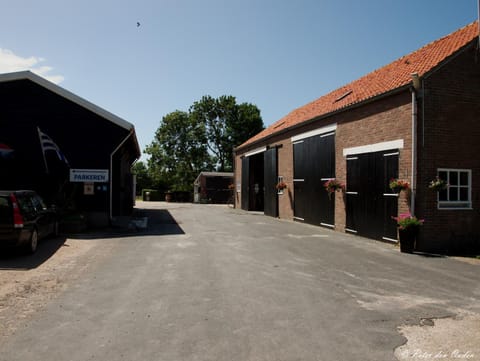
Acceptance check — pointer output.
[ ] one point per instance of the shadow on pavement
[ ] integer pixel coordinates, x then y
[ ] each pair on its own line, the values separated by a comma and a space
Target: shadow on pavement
159, 223
16, 259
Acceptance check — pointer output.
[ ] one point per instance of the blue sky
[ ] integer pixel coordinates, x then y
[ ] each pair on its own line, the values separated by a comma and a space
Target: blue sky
276, 54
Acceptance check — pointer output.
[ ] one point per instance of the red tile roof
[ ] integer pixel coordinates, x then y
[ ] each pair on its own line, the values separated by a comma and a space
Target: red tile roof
386, 79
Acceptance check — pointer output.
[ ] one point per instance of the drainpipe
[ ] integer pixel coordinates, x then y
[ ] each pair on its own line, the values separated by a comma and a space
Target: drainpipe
111, 171
414, 89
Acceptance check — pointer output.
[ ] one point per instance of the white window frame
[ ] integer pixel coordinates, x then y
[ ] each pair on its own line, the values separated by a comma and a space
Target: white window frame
455, 205
319, 131
376, 147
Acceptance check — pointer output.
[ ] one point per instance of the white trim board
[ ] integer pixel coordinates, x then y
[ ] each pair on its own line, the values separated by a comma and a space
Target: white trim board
255, 151
377, 147
312, 133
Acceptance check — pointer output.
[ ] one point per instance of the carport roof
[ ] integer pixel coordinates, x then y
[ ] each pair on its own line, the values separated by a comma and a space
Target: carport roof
213, 174
28, 75
392, 77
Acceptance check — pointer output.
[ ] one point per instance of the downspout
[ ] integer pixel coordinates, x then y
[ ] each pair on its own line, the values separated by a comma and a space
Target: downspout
414, 89
111, 171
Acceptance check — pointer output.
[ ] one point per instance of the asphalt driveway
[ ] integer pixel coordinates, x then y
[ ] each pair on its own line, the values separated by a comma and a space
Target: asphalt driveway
214, 283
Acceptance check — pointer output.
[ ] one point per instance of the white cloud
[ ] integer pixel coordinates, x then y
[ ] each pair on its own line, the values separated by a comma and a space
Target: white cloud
9, 62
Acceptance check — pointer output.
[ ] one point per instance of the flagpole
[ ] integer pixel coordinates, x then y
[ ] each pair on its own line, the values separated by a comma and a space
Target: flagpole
43, 150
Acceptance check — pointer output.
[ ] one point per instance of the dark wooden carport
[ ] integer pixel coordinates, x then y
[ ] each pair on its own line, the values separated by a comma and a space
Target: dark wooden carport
88, 136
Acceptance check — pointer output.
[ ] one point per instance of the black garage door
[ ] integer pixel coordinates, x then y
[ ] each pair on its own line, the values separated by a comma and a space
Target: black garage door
270, 180
245, 183
314, 164
370, 202
253, 182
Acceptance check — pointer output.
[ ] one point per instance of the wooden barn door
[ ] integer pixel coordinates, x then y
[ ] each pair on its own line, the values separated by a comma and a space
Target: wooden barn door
326, 169
314, 164
270, 179
370, 202
245, 183
390, 198
299, 173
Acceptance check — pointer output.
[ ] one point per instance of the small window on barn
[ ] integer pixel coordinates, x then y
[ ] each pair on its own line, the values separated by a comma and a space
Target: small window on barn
458, 194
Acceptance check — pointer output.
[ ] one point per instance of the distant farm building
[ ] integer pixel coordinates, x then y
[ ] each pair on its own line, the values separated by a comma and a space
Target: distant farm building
213, 187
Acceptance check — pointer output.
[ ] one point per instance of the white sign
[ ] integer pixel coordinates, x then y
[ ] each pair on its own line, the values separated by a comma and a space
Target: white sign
89, 175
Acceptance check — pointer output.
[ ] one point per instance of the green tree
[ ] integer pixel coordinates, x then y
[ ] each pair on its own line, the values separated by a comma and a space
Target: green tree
144, 180
178, 152
227, 124
202, 139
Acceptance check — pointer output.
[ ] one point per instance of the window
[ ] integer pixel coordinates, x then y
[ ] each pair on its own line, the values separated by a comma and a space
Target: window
457, 195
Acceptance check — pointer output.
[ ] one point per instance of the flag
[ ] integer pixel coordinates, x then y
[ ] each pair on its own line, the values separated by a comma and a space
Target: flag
48, 144
5, 151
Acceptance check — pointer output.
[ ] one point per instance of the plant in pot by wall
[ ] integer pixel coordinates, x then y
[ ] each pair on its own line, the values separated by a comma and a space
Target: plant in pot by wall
408, 228
398, 185
438, 184
333, 185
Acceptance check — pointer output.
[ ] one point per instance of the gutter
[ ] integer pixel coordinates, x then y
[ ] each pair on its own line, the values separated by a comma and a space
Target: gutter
132, 131
414, 89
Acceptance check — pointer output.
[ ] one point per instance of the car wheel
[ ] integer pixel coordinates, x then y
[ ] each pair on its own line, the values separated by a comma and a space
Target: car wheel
32, 246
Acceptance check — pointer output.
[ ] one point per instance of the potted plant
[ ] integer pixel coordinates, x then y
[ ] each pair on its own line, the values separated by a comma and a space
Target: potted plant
333, 185
398, 185
408, 227
438, 184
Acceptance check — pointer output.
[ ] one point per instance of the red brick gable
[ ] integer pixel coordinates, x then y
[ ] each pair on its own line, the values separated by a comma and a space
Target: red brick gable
383, 80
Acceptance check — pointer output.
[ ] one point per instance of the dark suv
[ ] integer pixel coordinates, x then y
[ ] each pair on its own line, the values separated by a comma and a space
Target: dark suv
25, 219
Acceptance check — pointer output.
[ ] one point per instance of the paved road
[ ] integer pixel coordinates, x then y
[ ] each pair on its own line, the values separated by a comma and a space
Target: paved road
215, 283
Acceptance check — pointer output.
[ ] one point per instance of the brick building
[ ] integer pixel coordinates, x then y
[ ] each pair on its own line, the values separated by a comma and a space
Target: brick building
213, 187
414, 119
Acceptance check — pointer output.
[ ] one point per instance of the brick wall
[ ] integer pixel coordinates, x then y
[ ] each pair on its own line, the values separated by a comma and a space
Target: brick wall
451, 105
237, 180
384, 120
448, 137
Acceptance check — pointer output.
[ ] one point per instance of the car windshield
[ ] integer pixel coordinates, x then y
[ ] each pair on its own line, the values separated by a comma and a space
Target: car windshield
6, 213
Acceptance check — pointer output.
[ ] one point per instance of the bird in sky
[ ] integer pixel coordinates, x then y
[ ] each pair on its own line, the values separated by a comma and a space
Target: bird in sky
138, 24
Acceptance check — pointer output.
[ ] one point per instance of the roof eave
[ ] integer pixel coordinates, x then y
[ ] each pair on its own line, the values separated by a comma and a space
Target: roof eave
28, 75
137, 146
448, 59
324, 116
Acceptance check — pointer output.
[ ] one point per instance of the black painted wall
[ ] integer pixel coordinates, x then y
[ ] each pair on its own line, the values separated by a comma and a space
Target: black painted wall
85, 138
